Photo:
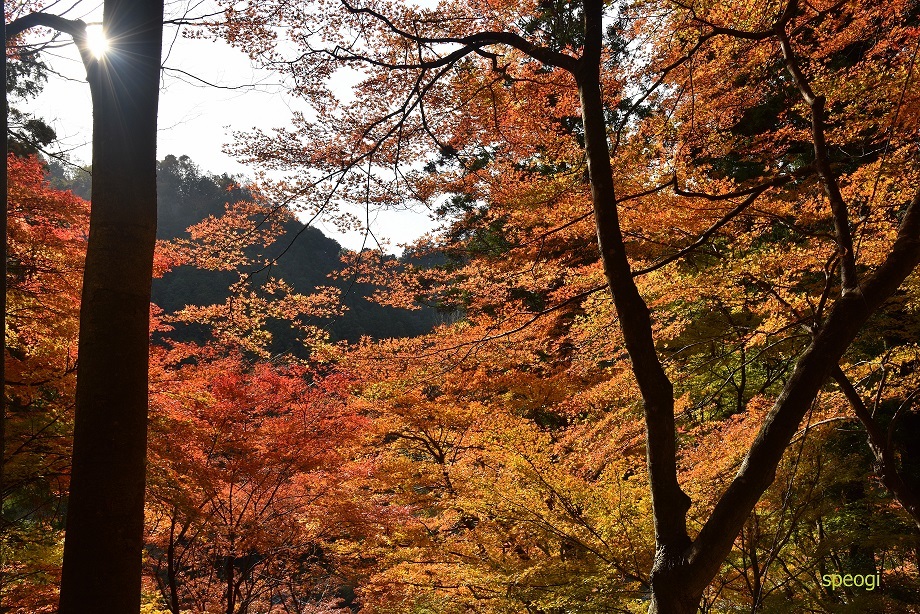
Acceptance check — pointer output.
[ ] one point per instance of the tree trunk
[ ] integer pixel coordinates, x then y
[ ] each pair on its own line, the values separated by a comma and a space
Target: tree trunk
105, 513
669, 502
669, 600
683, 568
171, 564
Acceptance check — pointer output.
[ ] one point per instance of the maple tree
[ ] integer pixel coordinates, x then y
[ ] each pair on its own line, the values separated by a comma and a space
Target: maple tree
243, 498
709, 135
736, 183
248, 447
47, 242
238, 242
487, 501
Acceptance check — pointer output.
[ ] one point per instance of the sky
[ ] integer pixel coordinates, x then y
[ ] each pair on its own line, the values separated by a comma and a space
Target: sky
208, 90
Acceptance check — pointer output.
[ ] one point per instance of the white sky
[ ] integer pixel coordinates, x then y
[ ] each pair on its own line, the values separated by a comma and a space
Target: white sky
197, 119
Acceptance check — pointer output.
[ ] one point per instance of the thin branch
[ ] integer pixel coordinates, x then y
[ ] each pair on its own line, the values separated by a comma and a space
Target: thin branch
848, 279
753, 193
475, 41
703, 237
880, 447
76, 28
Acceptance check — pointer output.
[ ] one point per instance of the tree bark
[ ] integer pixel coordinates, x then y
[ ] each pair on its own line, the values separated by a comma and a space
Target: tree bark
105, 513
3, 257
669, 502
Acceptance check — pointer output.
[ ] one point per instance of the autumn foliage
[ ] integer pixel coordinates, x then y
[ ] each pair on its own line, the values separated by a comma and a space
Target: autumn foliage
47, 241
694, 388
242, 482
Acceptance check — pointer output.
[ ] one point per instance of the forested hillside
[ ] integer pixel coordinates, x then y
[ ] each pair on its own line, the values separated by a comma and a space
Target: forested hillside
301, 256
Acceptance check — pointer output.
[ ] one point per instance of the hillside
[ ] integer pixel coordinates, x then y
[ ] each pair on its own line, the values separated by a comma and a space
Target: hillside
186, 195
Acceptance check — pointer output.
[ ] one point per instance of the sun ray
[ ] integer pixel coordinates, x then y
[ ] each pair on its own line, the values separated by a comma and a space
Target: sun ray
96, 40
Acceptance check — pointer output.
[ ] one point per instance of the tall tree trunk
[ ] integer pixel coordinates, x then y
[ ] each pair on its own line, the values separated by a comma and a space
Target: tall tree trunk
683, 568
105, 513
3, 257
669, 502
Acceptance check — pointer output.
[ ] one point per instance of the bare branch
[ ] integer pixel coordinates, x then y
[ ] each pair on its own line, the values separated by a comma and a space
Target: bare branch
76, 28
474, 41
848, 278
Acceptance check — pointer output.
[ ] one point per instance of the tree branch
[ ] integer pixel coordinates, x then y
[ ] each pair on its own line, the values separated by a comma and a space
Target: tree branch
475, 41
752, 193
758, 469
76, 28
848, 278
880, 447
788, 12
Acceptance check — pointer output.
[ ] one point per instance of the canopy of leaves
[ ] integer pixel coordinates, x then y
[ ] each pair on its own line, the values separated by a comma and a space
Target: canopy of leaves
496, 462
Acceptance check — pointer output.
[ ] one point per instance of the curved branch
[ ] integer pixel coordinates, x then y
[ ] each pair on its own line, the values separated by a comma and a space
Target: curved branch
880, 447
76, 28
752, 194
725, 219
716, 30
475, 41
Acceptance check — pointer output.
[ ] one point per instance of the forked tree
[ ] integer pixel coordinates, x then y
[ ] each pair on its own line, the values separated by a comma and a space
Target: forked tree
413, 58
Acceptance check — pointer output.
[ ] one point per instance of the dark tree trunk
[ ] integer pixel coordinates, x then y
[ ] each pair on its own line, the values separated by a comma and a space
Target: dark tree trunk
105, 513
171, 564
683, 568
668, 599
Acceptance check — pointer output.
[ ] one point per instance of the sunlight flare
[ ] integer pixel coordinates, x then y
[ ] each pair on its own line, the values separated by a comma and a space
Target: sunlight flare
96, 40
